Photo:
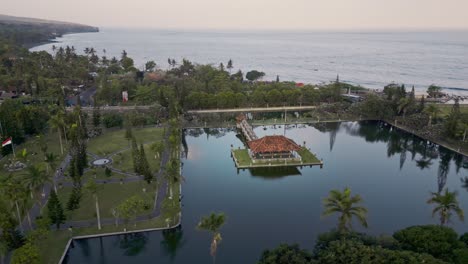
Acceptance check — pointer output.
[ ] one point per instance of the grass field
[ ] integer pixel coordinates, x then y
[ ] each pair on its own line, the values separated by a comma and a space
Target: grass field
114, 141
34, 153
110, 196
307, 156
99, 173
53, 246
446, 109
124, 161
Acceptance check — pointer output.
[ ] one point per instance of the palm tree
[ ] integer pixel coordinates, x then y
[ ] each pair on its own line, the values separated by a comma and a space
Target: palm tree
15, 192
213, 223
446, 203
57, 122
432, 110
35, 178
93, 188
51, 159
343, 203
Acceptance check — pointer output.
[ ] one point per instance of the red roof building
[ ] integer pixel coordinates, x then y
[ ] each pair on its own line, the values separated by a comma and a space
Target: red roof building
273, 147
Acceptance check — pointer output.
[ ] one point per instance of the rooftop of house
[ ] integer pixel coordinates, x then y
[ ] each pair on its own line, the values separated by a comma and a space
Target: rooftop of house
273, 144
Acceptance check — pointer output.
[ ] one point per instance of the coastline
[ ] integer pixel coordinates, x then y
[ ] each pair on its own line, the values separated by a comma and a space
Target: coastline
31, 45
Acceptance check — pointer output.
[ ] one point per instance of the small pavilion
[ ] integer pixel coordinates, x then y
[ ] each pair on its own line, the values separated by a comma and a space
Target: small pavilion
273, 147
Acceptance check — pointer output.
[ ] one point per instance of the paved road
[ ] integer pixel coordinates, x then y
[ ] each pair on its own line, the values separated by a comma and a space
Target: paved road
35, 211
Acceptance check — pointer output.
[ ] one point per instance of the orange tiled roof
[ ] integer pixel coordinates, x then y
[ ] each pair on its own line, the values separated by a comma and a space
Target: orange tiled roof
268, 144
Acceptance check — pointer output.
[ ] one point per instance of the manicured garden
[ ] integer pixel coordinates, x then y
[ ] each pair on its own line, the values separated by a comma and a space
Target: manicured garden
110, 196
114, 141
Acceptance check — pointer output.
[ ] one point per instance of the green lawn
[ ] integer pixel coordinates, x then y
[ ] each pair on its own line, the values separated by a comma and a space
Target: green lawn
124, 161
53, 246
99, 173
110, 196
307, 156
446, 109
244, 159
114, 141
34, 153
242, 156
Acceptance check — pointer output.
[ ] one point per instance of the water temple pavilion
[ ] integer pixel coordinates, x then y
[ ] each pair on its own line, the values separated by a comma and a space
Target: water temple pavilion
270, 151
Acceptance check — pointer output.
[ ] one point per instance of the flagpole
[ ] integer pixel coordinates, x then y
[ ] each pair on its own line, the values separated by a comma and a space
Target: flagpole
13, 148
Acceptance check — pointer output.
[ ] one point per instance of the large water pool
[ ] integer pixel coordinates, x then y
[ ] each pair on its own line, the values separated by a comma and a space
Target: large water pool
393, 171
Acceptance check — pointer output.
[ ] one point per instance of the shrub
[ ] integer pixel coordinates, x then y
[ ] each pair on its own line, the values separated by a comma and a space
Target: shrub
286, 254
112, 120
439, 241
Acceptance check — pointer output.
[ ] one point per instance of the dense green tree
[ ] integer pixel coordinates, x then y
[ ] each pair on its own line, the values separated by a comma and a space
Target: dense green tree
74, 199
27, 254
464, 238
131, 208
144, 165
55, 210
344, 204
355, 252
96, 117
112, 120
438, 241
286, 254
150, 65
434, 91
254, 75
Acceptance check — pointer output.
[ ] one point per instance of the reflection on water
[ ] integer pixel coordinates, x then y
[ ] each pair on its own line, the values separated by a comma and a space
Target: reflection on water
392, 170
133, 244
173, 240
274, 172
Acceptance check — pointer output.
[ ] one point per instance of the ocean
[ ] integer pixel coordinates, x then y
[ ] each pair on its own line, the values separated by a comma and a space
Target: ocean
369, 59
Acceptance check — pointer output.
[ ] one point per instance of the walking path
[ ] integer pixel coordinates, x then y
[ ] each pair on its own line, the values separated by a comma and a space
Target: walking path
35, 211
253, 109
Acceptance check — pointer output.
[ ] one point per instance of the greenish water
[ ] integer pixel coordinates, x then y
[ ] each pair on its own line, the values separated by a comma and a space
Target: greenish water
393, 171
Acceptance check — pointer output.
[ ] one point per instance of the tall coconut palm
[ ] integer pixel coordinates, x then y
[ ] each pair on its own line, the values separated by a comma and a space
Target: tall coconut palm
51, 164
16, 193
446, 203
35, 178
57, 122
94, 189
345, 205
432, 110
213, 223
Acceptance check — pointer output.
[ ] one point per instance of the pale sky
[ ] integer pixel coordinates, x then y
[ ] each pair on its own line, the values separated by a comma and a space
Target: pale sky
250, 14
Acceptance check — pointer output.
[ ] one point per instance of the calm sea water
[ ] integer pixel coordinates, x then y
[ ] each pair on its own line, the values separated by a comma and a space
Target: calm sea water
369, 59
394, 172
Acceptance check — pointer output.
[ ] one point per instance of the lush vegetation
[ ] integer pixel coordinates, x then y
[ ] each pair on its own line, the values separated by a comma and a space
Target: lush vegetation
44, 130
416, 244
